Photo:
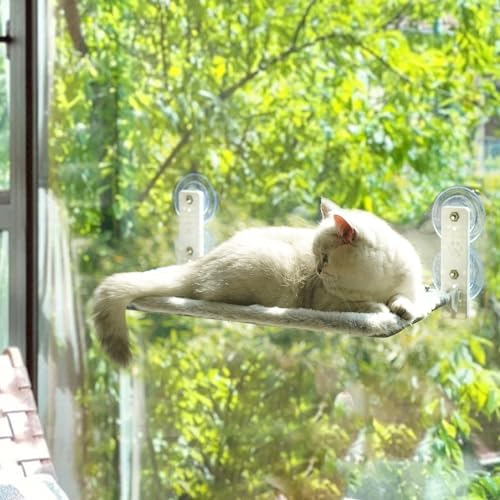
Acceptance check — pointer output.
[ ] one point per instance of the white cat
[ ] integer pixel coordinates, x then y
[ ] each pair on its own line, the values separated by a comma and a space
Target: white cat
353, 261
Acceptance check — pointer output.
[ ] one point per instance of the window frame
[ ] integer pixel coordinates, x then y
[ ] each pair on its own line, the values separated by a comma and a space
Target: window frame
18, 204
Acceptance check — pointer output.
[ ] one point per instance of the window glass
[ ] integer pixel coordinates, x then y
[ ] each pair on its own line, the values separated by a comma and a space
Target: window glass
375, 105
4, 101
4, 289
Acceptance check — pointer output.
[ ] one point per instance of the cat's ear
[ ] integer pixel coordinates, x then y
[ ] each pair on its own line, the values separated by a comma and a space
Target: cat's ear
328, 208
345, 230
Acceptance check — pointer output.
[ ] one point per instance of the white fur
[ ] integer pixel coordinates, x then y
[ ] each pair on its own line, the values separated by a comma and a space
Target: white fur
377, 270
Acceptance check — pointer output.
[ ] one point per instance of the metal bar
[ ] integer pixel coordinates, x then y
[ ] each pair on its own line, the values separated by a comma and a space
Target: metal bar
190, 242
4, 197
18, 156
6, 218
455, 250
7, 38
31, 202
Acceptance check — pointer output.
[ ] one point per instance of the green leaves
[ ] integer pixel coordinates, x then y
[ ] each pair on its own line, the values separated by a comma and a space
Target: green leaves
372, 87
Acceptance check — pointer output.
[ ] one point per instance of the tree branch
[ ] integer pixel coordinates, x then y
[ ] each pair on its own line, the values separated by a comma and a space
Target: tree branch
302, 23
163, 49
388, 65
72, 16
163, 167
264, 65
396, 17
225, 94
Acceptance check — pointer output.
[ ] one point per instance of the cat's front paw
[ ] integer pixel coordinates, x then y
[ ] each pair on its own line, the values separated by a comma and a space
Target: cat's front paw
403, 307
375, 307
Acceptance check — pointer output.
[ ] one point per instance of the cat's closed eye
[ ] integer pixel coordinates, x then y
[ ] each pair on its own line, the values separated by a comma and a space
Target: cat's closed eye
322, 263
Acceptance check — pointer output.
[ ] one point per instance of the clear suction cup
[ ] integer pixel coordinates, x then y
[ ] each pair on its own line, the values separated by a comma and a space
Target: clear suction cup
476, 271
460, 196
198, 182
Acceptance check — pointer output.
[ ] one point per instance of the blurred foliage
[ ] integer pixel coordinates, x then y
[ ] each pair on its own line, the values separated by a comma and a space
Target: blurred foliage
373, 104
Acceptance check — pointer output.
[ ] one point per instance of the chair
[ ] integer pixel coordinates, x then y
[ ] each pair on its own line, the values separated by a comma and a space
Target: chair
26, 469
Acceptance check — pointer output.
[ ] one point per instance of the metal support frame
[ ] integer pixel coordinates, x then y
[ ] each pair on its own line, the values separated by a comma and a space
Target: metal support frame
455, 254
190, 242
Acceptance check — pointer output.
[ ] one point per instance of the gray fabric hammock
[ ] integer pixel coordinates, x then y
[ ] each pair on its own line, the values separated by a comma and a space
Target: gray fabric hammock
350, 323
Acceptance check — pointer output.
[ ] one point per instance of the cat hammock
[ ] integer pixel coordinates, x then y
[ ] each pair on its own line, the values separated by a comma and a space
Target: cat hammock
458, 216
350, 323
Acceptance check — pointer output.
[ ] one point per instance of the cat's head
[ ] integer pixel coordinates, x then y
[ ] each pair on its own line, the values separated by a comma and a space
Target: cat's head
336, 230
347, 248
360, 257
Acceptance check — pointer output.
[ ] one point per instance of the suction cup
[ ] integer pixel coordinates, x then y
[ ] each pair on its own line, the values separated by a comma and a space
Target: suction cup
460, 196
476, 271
198, 182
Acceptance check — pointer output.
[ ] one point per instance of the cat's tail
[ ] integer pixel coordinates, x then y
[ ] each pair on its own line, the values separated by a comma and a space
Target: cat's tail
116, 292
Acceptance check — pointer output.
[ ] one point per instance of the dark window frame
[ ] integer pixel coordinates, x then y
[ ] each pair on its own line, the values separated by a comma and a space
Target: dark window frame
19, 202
